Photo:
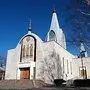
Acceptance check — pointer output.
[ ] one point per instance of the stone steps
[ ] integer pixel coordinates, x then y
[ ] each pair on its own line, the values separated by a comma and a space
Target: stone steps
21, 84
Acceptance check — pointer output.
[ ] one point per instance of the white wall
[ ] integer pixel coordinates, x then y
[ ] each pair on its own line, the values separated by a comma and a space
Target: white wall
68, 63
68, 59
13, 58
52, 46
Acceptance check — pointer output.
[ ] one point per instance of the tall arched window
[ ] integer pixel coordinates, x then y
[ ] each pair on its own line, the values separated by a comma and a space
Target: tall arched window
31, 50
52, 36
27, 51
23, 51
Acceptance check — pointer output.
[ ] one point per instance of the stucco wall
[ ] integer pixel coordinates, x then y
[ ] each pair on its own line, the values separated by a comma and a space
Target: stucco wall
13, 58
48, 49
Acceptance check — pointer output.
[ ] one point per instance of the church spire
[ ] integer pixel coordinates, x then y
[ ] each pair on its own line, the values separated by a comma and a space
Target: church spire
30, 27
54, 10
55, 32
54, 21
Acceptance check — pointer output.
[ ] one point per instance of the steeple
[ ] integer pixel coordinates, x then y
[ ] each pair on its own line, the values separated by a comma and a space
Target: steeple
29, 28
54, 21
55, 32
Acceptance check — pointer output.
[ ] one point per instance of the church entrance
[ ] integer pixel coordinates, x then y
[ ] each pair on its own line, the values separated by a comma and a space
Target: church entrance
24, 73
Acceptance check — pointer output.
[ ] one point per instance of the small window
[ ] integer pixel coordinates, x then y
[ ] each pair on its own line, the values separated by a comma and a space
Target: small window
63, 65
67, 67
71, 67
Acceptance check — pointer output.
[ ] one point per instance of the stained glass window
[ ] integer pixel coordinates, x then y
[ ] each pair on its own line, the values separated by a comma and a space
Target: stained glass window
23, 51
31, 50
27, 51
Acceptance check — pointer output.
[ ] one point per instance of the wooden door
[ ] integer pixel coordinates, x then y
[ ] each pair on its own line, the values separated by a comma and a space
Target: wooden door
25, 73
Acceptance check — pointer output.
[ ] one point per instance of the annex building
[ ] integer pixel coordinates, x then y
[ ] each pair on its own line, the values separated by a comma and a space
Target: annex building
47, 60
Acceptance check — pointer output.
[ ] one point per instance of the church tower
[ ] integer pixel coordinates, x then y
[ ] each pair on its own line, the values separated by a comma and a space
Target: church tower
55, 32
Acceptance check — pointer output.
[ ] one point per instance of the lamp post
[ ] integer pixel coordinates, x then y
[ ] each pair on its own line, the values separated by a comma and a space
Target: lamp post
82, 64
82, 54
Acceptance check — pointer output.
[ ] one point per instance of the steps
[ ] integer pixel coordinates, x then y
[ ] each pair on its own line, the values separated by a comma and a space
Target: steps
21, 84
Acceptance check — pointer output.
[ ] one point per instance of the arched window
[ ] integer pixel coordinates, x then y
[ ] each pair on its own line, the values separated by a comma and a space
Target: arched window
27, 51
23, 51
31, 50
52, 36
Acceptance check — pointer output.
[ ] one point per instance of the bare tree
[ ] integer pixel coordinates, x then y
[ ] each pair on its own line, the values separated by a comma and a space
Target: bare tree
78, 19
87, 2
52, 67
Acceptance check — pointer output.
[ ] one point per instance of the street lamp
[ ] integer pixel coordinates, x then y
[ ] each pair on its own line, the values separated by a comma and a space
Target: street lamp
82, 54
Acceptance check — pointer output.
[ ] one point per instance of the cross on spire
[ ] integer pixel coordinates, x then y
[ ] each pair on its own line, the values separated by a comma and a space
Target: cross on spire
30, 26
54, 10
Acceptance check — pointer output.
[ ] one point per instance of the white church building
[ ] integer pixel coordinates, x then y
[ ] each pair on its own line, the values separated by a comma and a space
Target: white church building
47, 60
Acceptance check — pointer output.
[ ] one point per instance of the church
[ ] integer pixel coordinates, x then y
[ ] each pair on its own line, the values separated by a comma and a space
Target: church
35, 59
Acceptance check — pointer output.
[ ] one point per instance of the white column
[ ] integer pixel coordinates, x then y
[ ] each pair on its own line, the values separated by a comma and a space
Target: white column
18, 73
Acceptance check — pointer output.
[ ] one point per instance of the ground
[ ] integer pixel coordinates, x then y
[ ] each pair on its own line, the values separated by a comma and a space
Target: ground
33, 85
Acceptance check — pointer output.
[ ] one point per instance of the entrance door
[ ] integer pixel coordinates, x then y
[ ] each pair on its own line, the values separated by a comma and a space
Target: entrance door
24, 73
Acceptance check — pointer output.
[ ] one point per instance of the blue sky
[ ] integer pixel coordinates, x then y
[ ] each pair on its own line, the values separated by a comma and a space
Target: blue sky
15, 16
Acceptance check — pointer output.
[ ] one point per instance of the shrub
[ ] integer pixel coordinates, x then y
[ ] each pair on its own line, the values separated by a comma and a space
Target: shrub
59, 82
82, 82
